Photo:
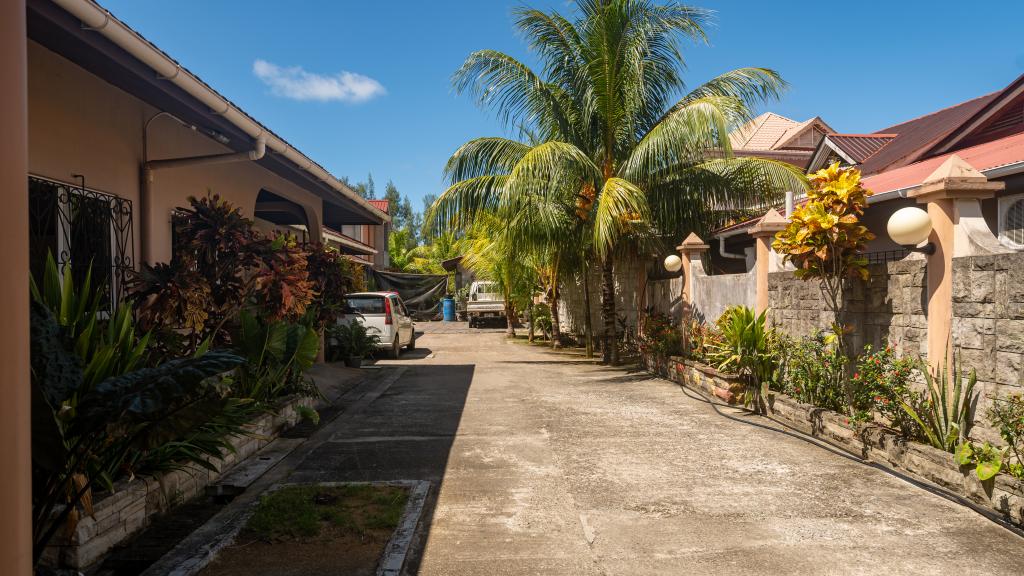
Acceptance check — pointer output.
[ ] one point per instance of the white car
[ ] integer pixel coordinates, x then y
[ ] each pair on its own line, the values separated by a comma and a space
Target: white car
383, 314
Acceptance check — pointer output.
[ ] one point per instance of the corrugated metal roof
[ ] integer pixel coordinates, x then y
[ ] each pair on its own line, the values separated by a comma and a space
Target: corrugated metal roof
860, 147
986, 156
913, 136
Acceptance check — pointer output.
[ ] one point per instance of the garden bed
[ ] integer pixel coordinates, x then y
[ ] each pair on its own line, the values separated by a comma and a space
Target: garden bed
1002, 494
134, 503
311, 530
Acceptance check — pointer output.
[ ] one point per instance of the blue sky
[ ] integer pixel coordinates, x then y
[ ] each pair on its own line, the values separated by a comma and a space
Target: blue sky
374, 95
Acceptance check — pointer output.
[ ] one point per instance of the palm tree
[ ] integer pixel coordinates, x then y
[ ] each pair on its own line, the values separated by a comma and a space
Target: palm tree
495, 254
611, 133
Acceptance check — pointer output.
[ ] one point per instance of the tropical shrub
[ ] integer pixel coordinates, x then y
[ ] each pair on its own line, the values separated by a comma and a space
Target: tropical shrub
331, 276
85, 436
1007, 415
748, 348
945, 413
701, 340
352, 340
661, 336
813, 370
880, 381
541, 316
277, 353
281, 288
825, 239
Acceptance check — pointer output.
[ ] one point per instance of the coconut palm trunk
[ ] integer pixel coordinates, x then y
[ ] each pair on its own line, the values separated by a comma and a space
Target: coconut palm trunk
556, 329
610, 348
588, 323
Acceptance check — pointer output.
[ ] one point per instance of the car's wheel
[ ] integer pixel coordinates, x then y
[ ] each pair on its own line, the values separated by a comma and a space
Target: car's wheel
412, 343
396, 350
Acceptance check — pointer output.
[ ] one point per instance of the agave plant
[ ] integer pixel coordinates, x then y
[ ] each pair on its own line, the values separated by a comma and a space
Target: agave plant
946, 413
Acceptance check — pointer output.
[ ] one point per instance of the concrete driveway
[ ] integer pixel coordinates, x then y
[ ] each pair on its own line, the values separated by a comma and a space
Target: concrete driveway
549, 464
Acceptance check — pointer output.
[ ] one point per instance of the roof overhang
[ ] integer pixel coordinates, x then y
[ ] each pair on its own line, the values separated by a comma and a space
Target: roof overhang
63, 33
349, 245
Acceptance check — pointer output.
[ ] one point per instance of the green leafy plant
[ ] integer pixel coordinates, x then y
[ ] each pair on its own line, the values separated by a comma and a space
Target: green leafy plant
945, 413
1007, 415
541, 314
813, 370
84, 435
277, 354
701, 339
352, 340
749, 349
331, 276
880, 380
661, 336
986, 459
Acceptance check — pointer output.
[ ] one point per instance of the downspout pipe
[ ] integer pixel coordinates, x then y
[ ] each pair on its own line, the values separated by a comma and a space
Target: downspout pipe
150, 166
721, 245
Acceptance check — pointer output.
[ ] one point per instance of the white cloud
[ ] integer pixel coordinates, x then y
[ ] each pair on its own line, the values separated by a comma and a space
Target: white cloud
295, 83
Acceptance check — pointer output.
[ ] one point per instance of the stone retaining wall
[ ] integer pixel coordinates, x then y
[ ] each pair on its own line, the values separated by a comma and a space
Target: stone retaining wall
988, 322
889, 308
1003, 495
135, 503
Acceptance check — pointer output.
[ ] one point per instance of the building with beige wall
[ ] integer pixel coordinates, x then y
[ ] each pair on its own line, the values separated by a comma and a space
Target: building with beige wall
120, 136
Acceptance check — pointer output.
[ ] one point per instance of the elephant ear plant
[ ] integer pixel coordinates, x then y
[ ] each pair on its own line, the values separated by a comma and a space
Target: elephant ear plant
748, 349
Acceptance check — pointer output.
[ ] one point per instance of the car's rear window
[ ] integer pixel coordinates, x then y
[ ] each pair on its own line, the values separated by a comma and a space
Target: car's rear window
364, 305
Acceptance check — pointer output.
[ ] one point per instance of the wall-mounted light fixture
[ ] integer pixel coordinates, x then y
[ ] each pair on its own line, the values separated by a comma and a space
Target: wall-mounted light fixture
673, 263
910, 227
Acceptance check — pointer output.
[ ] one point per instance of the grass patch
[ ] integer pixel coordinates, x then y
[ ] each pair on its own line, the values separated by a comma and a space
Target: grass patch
304, 512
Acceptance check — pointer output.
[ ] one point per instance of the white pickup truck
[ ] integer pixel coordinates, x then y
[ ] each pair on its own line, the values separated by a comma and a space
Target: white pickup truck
484, 302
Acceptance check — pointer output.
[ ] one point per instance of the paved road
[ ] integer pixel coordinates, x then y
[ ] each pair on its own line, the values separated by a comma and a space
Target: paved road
546, 464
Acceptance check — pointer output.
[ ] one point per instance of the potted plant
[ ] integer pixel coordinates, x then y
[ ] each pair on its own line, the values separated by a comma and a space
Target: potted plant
352, 342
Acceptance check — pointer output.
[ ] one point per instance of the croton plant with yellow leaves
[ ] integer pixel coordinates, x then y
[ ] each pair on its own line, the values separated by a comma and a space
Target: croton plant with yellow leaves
825, 239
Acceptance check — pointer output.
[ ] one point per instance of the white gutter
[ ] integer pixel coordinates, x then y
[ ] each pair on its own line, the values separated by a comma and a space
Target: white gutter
103, 22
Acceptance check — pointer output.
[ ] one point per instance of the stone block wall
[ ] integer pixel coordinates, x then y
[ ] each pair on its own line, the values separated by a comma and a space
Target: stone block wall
887, 309
630, 282
988, 322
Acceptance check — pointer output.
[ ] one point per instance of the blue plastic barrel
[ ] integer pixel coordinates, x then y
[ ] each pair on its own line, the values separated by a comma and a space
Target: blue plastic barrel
448, 309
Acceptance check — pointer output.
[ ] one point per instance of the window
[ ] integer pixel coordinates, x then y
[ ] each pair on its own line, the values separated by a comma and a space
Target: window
1011, 221
83, 228
364, 305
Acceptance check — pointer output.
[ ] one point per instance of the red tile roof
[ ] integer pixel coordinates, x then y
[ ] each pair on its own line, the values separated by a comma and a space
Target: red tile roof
914, 136
860, 147
381, 205
986, 156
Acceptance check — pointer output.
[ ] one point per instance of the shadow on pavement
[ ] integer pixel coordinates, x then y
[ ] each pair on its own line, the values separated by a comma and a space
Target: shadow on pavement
405, 434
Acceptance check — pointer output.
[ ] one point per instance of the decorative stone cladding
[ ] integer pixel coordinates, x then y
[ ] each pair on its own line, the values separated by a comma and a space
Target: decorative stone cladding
888, 309
988, 322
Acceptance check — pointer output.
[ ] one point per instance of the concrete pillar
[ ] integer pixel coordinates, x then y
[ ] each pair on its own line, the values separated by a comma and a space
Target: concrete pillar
691, 250
763, 232
15, 428
951, 191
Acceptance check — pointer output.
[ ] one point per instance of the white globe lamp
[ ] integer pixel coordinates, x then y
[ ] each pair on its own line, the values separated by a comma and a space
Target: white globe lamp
673, 263
909, 227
